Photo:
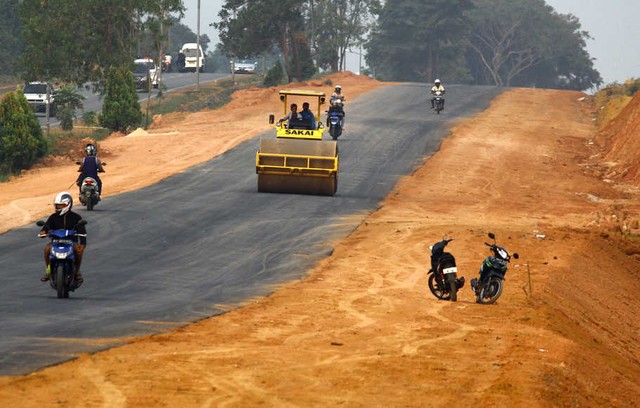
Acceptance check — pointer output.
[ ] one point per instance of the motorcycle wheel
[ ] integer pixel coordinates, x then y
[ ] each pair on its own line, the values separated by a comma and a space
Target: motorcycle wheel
453, 287
90, 203
332, 132
61, 284
490, 292
437, 291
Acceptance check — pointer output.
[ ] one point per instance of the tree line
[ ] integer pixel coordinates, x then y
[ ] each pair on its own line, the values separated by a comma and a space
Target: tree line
485, 42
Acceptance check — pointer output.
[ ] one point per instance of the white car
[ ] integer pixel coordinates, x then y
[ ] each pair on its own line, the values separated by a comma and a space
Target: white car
36, 94
145, 70
244, 67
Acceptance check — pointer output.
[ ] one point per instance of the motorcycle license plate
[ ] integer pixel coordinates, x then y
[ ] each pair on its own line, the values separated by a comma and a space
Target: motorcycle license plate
453, 269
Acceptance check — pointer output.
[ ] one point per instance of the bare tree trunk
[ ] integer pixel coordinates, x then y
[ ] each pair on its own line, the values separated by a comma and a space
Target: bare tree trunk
285, 51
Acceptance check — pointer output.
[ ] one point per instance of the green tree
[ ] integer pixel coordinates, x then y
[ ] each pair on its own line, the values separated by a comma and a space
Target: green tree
526, 43
79, 40
249, 28
178, 34
274, 75
21, 138
419, 39
10, 36
121, 109
68, 101
336, 25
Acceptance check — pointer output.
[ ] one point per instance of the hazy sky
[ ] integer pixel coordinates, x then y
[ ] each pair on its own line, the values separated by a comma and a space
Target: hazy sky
616, 34
613, 24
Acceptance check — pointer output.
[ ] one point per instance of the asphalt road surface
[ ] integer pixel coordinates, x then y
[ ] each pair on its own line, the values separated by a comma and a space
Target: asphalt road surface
166, 255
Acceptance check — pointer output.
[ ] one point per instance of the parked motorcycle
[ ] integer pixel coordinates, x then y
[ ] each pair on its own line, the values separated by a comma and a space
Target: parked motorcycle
488, 287
438, 103
62, 256
443, 281
89, 191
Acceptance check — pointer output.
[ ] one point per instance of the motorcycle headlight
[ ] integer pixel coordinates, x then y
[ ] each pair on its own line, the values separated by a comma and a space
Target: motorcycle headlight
60, 255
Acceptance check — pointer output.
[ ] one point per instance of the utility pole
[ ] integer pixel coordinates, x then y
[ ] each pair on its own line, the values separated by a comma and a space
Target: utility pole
198, 52
161, 50
47, 109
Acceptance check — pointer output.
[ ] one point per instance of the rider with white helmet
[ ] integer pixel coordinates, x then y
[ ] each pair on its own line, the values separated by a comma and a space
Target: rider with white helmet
64, 218
437, 87
337, 94
338, 98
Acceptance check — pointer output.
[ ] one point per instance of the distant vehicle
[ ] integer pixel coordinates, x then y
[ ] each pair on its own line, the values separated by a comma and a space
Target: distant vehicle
194, 57
245, 67
145, 72
36, 94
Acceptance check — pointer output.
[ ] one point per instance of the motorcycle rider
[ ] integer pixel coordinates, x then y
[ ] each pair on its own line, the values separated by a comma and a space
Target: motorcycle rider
293, 118
64, 218
90, 167
337, 94
181, 61
437, 86
307, 116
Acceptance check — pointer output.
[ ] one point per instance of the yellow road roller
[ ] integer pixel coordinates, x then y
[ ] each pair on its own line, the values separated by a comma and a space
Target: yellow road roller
298, 161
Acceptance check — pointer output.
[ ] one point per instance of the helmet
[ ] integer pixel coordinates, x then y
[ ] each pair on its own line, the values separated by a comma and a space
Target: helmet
63, 203
338, 87
436, 82
90, 149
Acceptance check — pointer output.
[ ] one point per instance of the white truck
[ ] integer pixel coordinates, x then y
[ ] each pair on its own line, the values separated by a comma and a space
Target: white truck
193, 58
36, 94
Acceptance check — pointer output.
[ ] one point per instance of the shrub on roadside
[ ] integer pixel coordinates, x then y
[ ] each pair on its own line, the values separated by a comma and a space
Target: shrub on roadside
121, 109
68, 101
274, 75
21, 138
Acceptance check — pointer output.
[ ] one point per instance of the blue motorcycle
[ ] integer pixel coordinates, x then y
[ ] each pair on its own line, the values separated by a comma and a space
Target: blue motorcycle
335, 124
62, 260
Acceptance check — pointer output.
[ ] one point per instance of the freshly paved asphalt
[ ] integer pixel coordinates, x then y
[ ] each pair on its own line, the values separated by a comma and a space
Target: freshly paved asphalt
166, 255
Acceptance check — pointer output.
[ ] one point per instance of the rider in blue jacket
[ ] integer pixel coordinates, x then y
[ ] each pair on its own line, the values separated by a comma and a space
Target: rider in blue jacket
90, 166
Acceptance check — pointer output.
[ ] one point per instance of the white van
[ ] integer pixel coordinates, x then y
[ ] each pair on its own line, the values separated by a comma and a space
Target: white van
193, 57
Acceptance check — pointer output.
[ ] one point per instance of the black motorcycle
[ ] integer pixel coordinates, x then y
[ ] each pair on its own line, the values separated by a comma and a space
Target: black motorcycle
62, 260
443, 281
438, 101
488, 287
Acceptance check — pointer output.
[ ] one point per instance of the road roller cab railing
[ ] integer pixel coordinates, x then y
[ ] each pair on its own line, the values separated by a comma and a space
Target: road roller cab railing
298, 160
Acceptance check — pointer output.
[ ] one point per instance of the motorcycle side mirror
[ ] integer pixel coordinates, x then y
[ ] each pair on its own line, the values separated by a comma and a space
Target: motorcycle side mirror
40, 223
78, 163
492, 236
103, 163
272, 119
515, 255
